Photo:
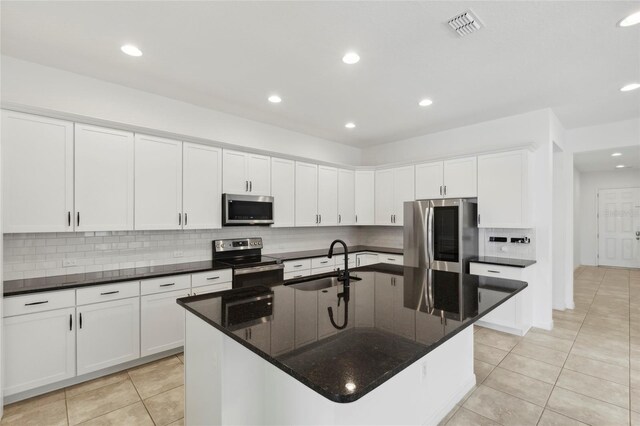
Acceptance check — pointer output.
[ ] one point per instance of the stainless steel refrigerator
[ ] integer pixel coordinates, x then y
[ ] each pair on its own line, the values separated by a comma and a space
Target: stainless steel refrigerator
441, 234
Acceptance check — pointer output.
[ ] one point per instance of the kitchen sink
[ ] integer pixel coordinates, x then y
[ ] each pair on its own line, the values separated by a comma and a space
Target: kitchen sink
315, 283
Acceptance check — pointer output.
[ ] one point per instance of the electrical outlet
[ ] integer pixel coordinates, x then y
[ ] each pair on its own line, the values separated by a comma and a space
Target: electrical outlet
69, 262
178, 253
424, 371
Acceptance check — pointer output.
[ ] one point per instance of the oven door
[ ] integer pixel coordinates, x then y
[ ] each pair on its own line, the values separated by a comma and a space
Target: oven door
246, 210
258, 275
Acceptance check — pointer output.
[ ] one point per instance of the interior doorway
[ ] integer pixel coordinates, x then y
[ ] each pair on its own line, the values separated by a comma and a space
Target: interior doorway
619, 227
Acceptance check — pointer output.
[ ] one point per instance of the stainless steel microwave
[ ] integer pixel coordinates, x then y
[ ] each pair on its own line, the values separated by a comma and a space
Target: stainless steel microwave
246, 210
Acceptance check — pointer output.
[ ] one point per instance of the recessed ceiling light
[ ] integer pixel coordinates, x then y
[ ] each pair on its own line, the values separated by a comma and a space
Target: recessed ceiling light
350, 125
620, 166
351, 58
275, 99
630, 20
616, 154
131, 50
629, 87
425, 102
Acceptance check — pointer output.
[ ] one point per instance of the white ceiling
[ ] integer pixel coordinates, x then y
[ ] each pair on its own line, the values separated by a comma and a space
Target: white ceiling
230, 56
602, 161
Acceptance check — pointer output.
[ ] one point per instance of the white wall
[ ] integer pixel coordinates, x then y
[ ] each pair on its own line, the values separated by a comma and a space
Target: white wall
577, 184
27, 84
611, 135
590, 183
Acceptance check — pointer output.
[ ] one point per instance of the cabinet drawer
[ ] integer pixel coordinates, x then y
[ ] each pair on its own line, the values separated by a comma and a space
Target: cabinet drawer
322, 262
213, 288
297, 265
324, 270
297, 274
170, 283
497, 271
396, 259
38, 302
211, 277
102, 293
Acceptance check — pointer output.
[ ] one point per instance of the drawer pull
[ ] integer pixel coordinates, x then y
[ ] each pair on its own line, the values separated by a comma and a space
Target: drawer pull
213, 278
80, 319
297, 276
167, 285
325, 261
391, 259
70, 322
36, 303
298, 266
106, 293
492, 271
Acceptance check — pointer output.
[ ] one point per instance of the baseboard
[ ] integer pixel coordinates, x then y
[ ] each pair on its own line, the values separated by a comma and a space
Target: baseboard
544, 325
504, 328
452, 402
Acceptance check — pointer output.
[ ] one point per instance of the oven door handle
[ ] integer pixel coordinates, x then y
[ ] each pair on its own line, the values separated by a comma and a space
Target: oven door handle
256, 269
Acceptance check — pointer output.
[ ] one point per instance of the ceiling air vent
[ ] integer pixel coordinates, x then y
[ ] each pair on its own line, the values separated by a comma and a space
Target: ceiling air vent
465, 23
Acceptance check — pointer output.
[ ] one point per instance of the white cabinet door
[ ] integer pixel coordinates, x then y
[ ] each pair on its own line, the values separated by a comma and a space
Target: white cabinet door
162, 322
364, 259
234, 172
103, 179
429, 182
108, 334
282, 324
201, 186
327, 196
306, 194
259, 174
346, 197
158, 183
364, 197
403, 190
503, 190
384, 197
283, 190
37, 173
460, 178
39, 349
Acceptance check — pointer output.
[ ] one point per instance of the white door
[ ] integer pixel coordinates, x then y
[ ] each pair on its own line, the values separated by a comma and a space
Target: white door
346, 197
619, 227
234, 172
461, 177
429, 180
364, 197
37, 173
259, 174
103, 179
108, 334
327, 196
384, 197
403, 188
201, 186
158, 183
162, 322
38, 349
283, 190
306, 194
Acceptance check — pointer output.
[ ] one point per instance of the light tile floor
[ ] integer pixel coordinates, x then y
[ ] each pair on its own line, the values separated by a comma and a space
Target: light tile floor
585, 371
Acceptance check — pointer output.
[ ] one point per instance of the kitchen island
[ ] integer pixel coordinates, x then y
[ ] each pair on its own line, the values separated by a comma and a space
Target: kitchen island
395, 347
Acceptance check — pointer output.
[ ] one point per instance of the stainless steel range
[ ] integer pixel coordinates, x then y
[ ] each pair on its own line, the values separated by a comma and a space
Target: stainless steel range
250, 267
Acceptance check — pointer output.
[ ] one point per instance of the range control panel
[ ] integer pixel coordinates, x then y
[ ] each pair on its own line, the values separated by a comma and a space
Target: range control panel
234, 244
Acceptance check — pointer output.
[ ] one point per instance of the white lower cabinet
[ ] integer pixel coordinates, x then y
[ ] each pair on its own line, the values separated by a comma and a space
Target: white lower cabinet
162, 322
39, 349
364, 259
108, 334
213, 288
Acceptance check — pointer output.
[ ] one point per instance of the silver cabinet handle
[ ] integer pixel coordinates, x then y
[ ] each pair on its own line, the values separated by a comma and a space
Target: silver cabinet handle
167, 285
250, 186
492, 271
69, 218
320, 216
440, 189
391, 259
213, 278
297, 276
356, 218
106, 293
36, 303
445, 190
298, 266
478, 218
185, 219
179, 218
78, 219
339, 218
325, 261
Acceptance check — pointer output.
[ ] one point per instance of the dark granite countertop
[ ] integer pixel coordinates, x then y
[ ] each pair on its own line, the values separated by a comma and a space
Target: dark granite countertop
503, 261
396, 315
295, 255
63, 282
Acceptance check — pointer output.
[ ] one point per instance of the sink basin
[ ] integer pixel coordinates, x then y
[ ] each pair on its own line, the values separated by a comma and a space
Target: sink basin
315, 284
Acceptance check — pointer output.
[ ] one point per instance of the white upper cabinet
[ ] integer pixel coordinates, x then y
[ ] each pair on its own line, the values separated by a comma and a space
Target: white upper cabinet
245, 173
158, 183
283, 191
201, 186
327, 196
447, 179
346, 197
37, 173
504, 190
103, 179
306, 198
364, 197
393, 188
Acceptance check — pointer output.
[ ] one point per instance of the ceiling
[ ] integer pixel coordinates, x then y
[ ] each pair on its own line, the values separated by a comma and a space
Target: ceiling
231, 56
602, 161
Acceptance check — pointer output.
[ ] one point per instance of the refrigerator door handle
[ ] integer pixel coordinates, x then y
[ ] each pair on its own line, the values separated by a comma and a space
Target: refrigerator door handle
430, 236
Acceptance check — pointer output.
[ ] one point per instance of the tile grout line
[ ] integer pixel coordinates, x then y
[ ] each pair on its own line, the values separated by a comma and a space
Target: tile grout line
141, 400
